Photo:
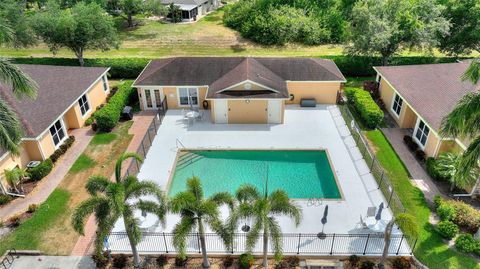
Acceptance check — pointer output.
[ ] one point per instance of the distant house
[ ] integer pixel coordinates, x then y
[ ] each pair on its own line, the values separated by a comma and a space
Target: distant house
66, 97
418, 97
238, 90
193, 9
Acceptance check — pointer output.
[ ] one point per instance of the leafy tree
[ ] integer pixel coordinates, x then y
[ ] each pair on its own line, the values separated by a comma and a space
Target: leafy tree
175, 12
22, 86
129, 8
84, 27
15, 177
386, 27
195, 211
448, 165
409, 226
72, 3
15, 13
464, 121
263, 209
464, 16
111, 201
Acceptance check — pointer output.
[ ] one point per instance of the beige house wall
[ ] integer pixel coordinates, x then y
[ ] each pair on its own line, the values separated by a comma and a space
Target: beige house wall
407, 117
322, 92
431, 145
171, 94
96, 97
33, 149
449, 146
46, 143
253, 112
10, 162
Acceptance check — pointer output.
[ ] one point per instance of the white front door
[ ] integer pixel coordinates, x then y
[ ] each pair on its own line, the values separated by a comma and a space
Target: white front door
221, 111
275, 111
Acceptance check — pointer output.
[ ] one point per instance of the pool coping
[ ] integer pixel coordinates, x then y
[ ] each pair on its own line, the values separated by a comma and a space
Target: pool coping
337, 182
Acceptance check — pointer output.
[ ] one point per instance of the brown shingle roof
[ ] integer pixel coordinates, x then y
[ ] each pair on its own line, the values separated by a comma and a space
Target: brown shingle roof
58, 88
221, 72
432, 90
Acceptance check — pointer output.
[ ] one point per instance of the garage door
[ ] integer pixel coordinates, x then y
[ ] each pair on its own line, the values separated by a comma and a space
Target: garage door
247, 111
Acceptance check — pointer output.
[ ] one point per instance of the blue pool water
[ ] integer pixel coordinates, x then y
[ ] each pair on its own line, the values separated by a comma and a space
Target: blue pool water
303, 174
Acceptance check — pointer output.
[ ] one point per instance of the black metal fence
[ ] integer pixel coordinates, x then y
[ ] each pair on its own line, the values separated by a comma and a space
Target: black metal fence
293, 244
134, 166
380, 175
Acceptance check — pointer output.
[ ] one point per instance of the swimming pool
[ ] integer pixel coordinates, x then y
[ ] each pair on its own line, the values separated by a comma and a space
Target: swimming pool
303, 174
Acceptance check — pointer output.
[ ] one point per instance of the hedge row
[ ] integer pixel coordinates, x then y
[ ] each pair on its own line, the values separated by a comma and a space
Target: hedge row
362, 101
109, 115
130, 68
42, 170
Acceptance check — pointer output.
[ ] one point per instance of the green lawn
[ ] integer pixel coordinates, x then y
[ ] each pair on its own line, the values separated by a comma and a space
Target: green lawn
82, 163
103, 138
431, 249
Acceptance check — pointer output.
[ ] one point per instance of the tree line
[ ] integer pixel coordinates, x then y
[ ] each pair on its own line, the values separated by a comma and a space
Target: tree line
364, 27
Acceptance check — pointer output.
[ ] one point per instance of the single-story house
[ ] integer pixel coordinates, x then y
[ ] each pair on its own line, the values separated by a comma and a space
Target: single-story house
193, 9
66, 97
238, 89
418, 97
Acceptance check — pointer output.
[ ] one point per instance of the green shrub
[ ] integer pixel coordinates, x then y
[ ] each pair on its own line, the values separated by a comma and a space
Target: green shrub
32, 208
41, 170
366, 107
433, 170
401, 263
62, 149
466, 216
89, 121
466, 243
447, 229
109, 115
437, 201
5, 199
446, 211
245, 261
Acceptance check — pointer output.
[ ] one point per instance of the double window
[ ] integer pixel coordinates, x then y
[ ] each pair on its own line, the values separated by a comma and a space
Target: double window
105, 84
84, 105
421, 134
397, 104
148, 99
188, 96
58, 132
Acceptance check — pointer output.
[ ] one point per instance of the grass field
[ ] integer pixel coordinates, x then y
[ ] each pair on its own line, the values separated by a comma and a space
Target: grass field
207, 37
49, 229
431, 249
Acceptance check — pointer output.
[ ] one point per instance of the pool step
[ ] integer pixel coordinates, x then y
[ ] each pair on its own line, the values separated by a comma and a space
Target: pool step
187, 159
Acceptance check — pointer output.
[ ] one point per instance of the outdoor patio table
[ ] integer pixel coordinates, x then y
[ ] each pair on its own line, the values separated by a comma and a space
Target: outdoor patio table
192, 114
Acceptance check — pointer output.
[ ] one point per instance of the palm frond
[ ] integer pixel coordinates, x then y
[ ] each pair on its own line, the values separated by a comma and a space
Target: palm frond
247, 193
141, 188
223, 198
282, 205
180, 234
22, 85
195, 187
254, 234
131, 225
124, 157
85, 209
469, 162
473, 72
159, 209
6, 32
11, 131
181, 201
97, 184
276, 237
464, 120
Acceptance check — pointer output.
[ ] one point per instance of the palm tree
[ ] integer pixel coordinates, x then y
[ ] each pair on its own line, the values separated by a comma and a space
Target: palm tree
407, 223
22, 86
464, 121
15, 177
195, 210
447, 165
110, 201
263, 209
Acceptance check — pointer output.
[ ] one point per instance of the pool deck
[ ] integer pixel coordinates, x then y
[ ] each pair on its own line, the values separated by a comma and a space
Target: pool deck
304, 128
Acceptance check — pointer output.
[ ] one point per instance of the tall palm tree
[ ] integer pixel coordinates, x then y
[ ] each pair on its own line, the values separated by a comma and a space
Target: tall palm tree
464, 121
409, 226
447, 164
262, 209
110, 201
195, 211
22, 86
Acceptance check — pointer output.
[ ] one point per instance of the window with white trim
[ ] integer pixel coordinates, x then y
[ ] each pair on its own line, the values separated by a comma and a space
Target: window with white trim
84, 105
148, 98
58, 132
158, 102
105, 84
397, 104
422, 133
188, 96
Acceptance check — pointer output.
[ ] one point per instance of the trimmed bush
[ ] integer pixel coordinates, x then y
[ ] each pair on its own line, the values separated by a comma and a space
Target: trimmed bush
108, 116
420, 154
447, 229
446, 211
32, 208
245, 261
366, 107
466, 243
5, 199
401, 263
62, 149
42, 170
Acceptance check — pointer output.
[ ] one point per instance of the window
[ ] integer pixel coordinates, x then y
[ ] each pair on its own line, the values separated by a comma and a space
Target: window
158, 102
397, 104
188, 96
148, 98
57, 132
84, 105
422, 133
105, 84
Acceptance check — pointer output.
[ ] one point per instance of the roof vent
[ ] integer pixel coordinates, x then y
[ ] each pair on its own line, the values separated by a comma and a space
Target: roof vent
247, 86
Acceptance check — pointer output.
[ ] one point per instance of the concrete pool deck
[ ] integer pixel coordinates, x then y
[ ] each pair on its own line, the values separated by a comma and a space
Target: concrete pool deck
304, 128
